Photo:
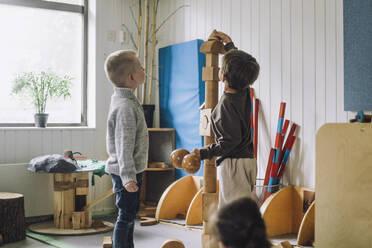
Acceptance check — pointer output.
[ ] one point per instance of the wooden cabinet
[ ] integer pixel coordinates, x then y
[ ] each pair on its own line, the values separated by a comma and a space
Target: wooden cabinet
160, 173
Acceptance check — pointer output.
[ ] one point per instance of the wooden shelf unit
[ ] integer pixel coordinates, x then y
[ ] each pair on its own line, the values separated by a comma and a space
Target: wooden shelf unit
156, 180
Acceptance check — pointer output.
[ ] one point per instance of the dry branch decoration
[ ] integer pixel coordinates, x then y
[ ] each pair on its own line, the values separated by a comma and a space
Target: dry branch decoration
150, 33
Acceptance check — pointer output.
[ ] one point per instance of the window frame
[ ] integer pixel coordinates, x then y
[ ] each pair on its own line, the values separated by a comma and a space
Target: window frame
82, 9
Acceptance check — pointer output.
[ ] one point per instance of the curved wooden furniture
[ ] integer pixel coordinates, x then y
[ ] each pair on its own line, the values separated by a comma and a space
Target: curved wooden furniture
283, 214
194, 213
177, 198
307, 228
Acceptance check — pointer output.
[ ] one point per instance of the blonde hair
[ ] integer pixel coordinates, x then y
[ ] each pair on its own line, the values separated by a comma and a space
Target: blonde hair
120, 63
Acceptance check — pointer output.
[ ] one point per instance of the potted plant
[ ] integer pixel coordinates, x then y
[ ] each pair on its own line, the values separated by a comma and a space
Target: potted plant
39, 87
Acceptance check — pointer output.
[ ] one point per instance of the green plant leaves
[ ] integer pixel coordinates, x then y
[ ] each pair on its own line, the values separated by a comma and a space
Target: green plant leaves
41, 86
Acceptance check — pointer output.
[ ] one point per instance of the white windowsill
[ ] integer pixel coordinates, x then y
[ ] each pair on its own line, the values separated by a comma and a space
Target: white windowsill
82, 128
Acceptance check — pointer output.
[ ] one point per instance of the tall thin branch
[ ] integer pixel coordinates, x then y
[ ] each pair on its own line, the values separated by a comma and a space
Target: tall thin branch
147, 22
139, 28
157, 5
130, 36
139, 34
153, 45
133, 17
170, 15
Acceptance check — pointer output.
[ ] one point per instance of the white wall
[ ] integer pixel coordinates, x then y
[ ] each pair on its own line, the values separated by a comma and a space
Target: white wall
19, 145
299, 45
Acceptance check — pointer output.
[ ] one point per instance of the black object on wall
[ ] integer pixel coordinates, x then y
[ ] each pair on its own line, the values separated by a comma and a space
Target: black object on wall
358, 55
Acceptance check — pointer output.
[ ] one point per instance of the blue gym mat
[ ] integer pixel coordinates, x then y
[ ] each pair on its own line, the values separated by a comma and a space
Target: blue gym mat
181, 92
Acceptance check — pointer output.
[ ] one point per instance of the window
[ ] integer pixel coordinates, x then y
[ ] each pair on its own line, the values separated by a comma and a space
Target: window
39, 36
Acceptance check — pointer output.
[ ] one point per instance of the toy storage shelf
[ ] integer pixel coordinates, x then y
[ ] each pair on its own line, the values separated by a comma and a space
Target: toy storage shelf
156, 180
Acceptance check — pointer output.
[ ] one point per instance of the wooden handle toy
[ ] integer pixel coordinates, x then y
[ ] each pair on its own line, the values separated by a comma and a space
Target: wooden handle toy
183, 159
177, 156
191, 163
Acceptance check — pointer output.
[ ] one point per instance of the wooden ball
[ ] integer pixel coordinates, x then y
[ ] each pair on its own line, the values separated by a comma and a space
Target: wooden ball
173, 243
177, 156
191, 163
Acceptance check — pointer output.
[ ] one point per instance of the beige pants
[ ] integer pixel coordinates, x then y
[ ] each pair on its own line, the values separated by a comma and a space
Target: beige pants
237, 177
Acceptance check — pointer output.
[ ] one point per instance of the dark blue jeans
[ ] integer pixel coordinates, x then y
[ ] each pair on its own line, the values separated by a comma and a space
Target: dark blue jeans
128, 204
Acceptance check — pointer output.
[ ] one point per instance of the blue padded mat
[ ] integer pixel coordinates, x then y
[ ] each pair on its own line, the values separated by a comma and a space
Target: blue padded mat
181, 92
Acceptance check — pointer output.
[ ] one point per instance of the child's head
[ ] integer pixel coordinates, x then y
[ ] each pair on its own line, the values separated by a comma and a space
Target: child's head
239, 69
123, 69
239, 225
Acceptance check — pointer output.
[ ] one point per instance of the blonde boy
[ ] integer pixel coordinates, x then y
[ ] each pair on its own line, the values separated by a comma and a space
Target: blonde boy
126, 141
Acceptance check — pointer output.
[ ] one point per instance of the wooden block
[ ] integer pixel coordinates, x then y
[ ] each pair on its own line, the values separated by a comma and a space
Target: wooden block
82, 175
146, 221
66, 221
88, 219
205, 126
210, 74
207, 227
82, 191
211, 59
285, 244
209, 205
209, 241
107, 242
210, 174
76, 216
82, 183
213, 46
147, 211
82, 219
173, 243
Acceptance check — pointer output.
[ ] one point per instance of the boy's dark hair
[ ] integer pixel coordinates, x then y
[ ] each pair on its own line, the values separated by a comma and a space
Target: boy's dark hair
239, 225
240, 69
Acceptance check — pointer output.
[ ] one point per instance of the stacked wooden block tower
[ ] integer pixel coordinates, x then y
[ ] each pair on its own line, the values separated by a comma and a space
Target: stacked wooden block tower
212, 48
71, 192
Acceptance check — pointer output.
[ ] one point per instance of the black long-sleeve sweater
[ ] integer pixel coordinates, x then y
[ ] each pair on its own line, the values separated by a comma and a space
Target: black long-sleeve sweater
231, 124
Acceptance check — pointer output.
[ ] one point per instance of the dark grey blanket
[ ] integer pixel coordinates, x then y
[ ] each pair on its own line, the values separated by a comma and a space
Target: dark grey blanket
54, 163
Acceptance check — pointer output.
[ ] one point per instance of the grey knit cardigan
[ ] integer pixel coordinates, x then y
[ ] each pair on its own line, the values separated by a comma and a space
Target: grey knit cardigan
127, 139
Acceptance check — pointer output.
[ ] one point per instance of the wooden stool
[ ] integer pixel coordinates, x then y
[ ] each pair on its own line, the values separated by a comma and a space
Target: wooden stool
12, 216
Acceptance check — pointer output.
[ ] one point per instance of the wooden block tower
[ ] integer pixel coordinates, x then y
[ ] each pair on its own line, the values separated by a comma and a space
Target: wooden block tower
212, 48
71, 191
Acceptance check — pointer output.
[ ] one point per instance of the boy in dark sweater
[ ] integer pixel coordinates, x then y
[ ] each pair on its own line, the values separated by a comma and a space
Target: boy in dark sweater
237, 167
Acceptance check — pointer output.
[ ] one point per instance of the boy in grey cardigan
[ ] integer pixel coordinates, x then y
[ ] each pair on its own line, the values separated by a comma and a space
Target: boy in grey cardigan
127, 141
